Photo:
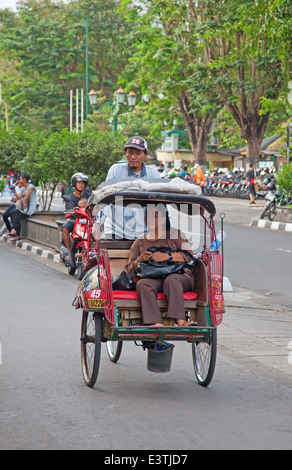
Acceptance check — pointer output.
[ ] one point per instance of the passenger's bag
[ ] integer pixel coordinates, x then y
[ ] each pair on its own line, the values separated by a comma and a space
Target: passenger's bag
162, 269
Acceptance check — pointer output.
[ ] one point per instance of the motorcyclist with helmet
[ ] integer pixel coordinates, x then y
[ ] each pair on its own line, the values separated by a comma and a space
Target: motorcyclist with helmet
79, 182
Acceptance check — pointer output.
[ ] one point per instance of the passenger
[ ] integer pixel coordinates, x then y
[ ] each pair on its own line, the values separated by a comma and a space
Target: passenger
159, 234
82, 203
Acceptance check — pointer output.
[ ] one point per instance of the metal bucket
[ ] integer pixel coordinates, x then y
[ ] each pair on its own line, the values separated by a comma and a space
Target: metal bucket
160, 357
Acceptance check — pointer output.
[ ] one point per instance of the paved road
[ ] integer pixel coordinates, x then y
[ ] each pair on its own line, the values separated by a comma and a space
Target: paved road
45, 404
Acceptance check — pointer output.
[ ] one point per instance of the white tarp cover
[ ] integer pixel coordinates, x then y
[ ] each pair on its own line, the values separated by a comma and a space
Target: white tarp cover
176, 185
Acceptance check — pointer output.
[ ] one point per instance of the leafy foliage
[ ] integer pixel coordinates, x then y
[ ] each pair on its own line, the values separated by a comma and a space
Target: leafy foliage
65, 153
284, 180
45, 51
15, 146
203, 56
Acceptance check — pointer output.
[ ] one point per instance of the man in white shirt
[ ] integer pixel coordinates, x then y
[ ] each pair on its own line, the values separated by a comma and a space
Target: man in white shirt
135, 152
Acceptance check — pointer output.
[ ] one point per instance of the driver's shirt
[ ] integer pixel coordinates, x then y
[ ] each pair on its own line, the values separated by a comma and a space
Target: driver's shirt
126, 222
123, 170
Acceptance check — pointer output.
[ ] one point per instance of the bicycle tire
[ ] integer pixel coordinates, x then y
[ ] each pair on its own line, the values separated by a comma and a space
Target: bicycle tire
204, 359
114, 349
272, 211
91, 333
265, 211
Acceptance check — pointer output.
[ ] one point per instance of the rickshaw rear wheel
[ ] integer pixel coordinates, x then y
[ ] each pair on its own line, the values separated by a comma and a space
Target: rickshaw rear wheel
114, 349
204, 359
91, 333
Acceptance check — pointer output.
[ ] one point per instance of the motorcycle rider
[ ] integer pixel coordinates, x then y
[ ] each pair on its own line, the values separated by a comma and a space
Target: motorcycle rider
79, 182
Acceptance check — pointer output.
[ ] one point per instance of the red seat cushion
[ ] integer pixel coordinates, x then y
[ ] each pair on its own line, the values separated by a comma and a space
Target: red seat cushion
190, 296
125, 294
132, 295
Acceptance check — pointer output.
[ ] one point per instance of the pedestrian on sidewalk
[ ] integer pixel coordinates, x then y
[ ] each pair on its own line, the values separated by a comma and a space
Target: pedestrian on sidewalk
250, 180
24, 207
199, 177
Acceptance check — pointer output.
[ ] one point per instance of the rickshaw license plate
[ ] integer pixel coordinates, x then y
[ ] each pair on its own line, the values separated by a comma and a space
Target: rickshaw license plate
95, 303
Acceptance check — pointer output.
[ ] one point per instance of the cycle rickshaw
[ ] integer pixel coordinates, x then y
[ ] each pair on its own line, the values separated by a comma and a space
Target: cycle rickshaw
114, 316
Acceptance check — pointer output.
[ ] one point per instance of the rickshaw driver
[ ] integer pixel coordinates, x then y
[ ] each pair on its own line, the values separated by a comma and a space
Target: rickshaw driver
135, 151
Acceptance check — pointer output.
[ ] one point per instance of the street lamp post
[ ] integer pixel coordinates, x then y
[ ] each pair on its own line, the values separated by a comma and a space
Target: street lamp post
86, 56
119, 100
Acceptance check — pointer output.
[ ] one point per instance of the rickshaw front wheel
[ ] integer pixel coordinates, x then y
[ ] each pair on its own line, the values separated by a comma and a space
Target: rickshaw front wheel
91, 333
204, 359
114, 349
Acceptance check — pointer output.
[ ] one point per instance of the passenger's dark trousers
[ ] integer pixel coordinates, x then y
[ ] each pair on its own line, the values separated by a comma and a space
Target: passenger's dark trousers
16, 218
173, 287
7, 215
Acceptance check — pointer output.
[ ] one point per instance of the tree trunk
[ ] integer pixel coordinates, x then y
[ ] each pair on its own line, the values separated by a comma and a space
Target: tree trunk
253, 132
252, 151
47, 195
197, 128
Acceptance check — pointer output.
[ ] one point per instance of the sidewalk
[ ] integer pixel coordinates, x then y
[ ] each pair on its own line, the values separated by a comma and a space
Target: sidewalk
260, 332
241, 212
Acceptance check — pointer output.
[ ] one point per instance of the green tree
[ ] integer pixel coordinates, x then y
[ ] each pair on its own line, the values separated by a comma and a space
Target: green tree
204, 55
64, 153
244, 64
15, 146
284, 180
164, 61
45, 50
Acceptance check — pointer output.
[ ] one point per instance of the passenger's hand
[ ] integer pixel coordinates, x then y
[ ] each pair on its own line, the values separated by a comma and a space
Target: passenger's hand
144, 256
158, 257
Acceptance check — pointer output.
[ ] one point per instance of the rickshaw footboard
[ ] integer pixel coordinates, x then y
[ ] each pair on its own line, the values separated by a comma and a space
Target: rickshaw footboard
166, 333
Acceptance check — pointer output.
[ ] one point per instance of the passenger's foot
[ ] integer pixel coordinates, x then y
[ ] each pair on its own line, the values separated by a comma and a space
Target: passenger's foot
186, 323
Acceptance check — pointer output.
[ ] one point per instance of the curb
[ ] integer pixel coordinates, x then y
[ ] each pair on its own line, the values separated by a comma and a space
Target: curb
37, 250
286, 227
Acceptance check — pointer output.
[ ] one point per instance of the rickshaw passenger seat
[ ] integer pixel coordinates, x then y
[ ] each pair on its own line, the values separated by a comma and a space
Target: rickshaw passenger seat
133, 295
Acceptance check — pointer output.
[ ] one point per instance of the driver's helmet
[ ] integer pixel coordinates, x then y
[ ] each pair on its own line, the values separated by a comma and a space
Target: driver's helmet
78, 177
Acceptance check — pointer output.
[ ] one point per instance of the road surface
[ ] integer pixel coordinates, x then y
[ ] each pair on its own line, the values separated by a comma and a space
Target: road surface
45, 404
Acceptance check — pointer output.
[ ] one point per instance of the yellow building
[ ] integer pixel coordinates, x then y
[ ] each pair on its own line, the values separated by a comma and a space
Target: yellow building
215, 158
